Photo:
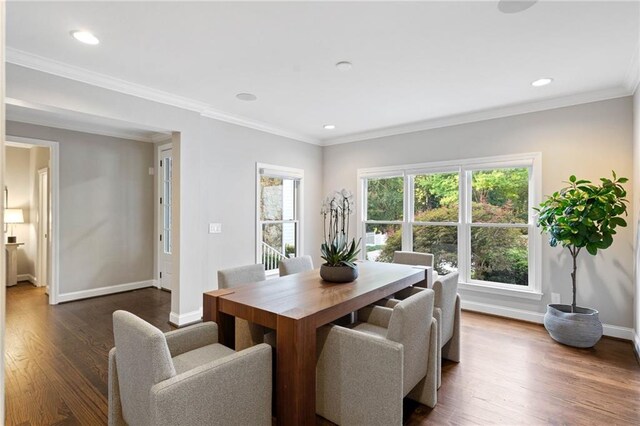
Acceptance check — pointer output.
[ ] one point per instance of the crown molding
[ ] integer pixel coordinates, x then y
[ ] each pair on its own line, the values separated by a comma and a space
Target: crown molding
59, 118
483, 115
60, 69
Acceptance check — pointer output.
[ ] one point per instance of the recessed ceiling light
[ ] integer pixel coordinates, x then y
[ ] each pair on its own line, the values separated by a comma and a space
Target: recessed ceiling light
541, 82
329, 126
344, 66
85, 37
246, 96
515, 6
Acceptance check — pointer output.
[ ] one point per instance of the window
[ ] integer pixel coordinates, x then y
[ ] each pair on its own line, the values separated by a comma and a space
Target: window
474, 216
278, 196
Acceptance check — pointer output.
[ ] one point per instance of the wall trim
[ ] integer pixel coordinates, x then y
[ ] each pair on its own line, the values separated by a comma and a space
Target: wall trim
180, 320
538, 317
103, 291
484, 115
61, 69
28, 277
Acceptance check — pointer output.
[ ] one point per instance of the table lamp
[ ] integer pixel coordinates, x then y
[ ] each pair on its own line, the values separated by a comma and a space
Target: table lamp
11, 217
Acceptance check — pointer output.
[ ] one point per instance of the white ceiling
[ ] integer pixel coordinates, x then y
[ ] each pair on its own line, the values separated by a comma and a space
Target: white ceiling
413, 63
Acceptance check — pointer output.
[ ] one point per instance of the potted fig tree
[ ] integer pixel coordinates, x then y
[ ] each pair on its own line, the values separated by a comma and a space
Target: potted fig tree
337, 250
581, 216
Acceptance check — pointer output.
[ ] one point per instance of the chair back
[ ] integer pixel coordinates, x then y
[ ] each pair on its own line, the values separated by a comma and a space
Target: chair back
233, 277
410, 325
143, 360
295, 265
446, 290
413, 258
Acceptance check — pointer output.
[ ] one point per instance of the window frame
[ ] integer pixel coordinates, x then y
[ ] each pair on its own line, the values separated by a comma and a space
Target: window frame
281, 172
465, 168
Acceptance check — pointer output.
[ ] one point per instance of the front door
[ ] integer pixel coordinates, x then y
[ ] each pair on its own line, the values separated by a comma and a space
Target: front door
165, 238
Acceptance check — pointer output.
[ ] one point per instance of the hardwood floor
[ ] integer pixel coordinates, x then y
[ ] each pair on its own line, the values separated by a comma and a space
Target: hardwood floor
511, 372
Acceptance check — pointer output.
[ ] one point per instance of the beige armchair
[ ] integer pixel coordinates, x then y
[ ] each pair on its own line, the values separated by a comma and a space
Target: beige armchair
446, 312
418, 259
247, 334
185, 377
295, 265
363, 372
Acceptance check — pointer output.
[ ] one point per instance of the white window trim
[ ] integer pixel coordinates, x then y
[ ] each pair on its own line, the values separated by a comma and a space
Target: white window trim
533, 160
282, 172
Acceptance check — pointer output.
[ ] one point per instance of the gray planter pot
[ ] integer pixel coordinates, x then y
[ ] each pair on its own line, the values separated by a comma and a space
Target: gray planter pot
338, 274
580, 329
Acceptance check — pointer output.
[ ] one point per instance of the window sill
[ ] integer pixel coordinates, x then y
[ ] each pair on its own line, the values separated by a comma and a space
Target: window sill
510, 292
272, 274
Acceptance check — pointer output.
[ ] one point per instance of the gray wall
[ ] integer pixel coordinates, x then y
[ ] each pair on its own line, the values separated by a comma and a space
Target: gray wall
636, 211
106, 207
216, 182
587, 140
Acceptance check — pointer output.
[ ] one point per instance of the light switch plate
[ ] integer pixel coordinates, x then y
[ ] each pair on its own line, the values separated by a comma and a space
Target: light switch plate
215, 228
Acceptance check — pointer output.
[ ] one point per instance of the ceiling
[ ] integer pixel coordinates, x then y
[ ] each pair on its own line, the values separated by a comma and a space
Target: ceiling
414, 63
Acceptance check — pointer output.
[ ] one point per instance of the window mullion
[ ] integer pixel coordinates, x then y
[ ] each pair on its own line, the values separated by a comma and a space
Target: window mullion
407, 229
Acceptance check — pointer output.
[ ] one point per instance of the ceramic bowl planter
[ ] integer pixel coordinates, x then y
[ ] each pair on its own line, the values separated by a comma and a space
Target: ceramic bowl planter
338, 274
580, 329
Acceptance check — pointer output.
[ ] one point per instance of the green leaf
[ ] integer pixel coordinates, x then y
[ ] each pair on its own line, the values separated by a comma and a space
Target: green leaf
572, 178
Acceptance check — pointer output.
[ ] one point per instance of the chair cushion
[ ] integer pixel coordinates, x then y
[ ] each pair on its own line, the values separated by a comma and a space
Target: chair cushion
374, 330
192, 359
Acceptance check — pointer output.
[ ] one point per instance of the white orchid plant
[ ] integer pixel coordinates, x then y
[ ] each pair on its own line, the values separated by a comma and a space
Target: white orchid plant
337, 250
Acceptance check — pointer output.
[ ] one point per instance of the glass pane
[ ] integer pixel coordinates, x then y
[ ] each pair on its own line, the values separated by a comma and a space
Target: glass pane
500, 195
166, 204
278, 242
381, 241
500, 255
436, 197
442, 242
277, 198
385, 198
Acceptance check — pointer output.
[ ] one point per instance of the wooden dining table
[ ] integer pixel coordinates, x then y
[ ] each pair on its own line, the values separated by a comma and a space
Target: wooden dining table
295, 306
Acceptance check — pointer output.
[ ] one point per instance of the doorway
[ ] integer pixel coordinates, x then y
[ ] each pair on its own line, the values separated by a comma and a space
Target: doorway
38, 254
165, 228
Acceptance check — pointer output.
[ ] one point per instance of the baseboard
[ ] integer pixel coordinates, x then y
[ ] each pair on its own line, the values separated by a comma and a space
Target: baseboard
103, 291
27, 277
185, 319
616, 331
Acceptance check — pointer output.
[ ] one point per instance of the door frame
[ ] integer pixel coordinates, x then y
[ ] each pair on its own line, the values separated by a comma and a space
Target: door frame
39, 263
158, 209
53, 248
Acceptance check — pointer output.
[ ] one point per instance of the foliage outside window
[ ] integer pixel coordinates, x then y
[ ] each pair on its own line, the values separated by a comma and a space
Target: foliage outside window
278, 212
474, 218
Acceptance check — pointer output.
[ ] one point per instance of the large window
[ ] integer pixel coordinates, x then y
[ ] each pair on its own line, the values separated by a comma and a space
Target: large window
474, 216
278, 201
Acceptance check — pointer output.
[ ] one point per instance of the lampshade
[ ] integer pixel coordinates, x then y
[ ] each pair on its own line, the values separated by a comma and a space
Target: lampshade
13, 216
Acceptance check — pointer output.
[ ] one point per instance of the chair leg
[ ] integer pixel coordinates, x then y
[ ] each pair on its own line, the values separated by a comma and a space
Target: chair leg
426, 391
451, 350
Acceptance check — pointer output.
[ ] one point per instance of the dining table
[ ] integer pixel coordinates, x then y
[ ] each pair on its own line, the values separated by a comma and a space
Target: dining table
295, 306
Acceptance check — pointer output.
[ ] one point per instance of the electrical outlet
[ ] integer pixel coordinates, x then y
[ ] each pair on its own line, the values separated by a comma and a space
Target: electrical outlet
215, 228
555, 298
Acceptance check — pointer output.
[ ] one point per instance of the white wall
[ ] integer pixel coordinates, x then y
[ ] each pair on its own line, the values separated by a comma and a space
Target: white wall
217, 175
587, 140
106, 208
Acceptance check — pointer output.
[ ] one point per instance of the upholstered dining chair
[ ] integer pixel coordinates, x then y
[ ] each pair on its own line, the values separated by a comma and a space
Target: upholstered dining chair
447, 311
363, 372
418, 259
295, 265
185, 377
247, 334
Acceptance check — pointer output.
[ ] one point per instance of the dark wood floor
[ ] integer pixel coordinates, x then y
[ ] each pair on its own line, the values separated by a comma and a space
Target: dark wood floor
511, 372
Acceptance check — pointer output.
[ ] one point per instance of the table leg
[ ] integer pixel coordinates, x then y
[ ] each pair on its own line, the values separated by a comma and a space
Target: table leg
295, 372
226, 323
